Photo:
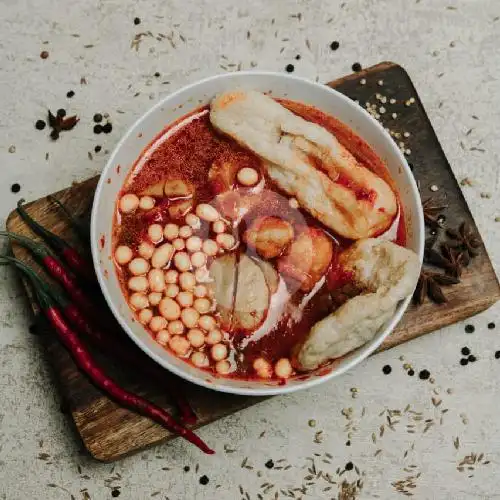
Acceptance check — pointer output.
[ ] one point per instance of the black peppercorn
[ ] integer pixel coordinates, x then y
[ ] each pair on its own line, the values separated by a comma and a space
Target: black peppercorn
387, 369
491, 325
107, 128
497, 355
472, 358
70, 94
44, 54
157, 74
54, 135
465, 351
98, 118
411, 373
335, 45
15, 188
186, 468
289, 68
349, 466
297, 57
269, 464
356, 67
137, 20
424, 374
348, 443
204, 480
61, 113
40, 124
115, 492
469, 328
97, 129
97, 149
464, 361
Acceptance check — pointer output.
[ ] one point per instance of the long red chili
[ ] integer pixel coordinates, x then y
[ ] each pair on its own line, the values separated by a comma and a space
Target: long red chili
80, 265
56, 269
127, 353
84, 361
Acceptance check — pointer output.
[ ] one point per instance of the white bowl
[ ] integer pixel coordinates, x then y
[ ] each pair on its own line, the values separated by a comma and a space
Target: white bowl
186, 100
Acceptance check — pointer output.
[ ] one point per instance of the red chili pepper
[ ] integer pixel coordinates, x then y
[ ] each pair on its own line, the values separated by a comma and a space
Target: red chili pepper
56, 269
88, 365
80, 265
128, 354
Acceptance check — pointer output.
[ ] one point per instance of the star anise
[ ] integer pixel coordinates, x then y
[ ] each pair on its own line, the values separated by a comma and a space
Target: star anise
59, 123
432, 212
429, 284
465, 238
451, 259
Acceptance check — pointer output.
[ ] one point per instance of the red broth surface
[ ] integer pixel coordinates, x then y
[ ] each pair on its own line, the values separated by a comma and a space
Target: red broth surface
186, 150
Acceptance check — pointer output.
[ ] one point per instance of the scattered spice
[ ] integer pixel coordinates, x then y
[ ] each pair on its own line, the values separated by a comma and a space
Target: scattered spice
137, 20
491, 325
411, 373
312, 423
465, 351
107, 128
297, 57
432, 212
97, 149
464, 361
289, 68
44, 54
204, 480
61, 113
470, 328
429, 284
97, 129
424, 374
115, 492
15, 188
60, 122
349, 466
356, 67
98, 118
465, 238
497, 354
187, 468
12, 149
334, 45
40, 124
269, 464
70, 94
472, 358
387, 369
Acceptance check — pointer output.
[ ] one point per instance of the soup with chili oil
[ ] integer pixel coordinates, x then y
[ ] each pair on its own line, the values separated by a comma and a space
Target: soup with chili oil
252, 235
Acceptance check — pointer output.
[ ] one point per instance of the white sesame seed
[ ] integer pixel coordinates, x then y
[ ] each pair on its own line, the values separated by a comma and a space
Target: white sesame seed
407, 151
392, 101
406, 134
381, 82
383, 99
401, 144
381, 109
397, 135
412, 100
378, 96
363, 81
434, 188
407, 103
394, 115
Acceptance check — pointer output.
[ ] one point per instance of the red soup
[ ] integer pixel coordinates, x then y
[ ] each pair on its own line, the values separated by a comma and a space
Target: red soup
224, 269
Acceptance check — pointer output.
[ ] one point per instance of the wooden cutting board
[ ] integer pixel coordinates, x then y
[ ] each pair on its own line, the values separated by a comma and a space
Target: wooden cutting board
110, 432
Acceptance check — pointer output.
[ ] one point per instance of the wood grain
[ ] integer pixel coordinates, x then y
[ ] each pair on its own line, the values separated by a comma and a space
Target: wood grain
110, 432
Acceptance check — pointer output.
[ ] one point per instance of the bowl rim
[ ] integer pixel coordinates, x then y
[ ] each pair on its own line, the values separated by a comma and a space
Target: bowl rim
267, 390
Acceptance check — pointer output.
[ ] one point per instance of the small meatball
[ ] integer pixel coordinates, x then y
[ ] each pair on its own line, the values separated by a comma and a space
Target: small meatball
200, 291
206, 212
185, 232
179, 244
218, 352
187, 281
196, 337
199, 359
146, 203
177, 188
247, 176
123, 255
182, 261
179, 345
156, 280
185, 299
146, 250
162, 337
202, 275
193, 221
128, 203
308, 258
213, 337
171, 276
162, 255
155, 233
198, 259
226, 241
202, 305
208, 323
169, 309
145, 316
218, 226
138, 284
263, 368
189, 317
155, 298
138, 266
283, 368
171, 290
171, 231
157, 323
210, 247
176, 327
269, 236
138, 301
193, 244
223, 367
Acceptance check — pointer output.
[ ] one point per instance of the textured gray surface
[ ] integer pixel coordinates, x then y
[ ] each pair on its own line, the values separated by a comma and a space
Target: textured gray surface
450, 49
